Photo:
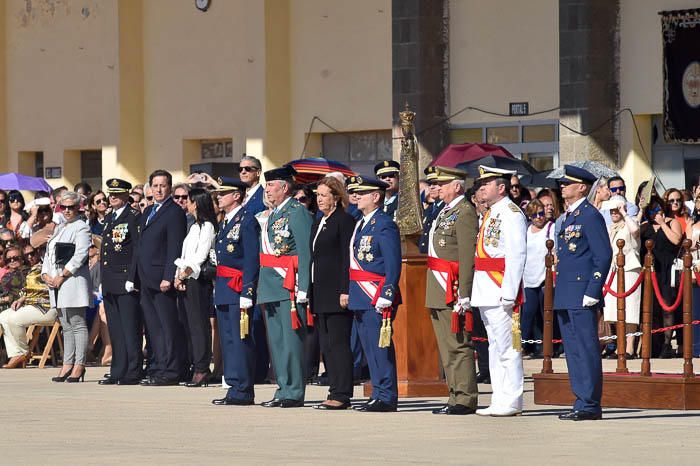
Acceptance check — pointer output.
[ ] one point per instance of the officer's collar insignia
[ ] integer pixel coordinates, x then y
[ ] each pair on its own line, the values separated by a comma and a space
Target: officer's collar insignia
577, 213
374, 220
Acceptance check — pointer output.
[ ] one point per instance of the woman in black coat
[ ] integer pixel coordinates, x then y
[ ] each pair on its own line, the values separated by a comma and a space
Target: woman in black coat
330, 264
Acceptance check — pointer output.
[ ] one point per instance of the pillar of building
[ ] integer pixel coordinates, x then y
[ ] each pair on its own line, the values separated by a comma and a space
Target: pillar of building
4, 156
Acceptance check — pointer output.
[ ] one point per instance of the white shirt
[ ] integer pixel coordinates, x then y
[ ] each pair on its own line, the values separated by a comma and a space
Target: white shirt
231, 214
279, 207
536, 251
367, 218
250, 192
118, 212
321, 224
195, 248
574, 206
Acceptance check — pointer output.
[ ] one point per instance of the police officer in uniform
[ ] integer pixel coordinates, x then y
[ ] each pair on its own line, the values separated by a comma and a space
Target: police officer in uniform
375, 268
432, 210
238, 264
388, 172
283, 286
499, 263
584, 257
124, 319
448, 289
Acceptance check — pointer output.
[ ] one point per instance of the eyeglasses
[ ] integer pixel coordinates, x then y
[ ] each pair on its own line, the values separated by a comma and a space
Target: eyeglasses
15, 199
248, 169
9, 259
675, 200
30, 254
100, 201
70, 207
180, 197
539, 214
616, 189
302, 198
149, 198
515, 186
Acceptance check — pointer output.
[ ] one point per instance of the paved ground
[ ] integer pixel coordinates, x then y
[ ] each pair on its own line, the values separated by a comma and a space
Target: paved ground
48, 423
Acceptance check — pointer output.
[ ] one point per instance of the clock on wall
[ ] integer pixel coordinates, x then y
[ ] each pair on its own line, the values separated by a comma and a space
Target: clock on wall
202, 5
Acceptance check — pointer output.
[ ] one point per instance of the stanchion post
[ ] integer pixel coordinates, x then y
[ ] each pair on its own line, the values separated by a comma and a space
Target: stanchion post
548, 331
646, 310
687, 311
620, 327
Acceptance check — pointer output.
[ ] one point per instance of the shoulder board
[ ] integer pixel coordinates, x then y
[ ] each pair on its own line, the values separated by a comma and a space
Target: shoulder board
514, 208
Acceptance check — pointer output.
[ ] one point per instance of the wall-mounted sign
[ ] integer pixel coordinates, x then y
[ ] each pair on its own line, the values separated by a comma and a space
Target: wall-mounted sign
519, 108
52, 173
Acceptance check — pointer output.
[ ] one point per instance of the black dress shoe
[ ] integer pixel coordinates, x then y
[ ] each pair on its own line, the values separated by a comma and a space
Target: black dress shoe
128, 382
363, 406
327, 407
292, 404
586, 416
231, 402
159, 382
458, 410
566, 416
108, 375
273, 403
107, 381
380, 406
481, 377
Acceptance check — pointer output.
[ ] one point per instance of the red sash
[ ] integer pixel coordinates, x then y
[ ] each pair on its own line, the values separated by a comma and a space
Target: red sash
290, 263
236, 276
451, 268
490, 264
364, 276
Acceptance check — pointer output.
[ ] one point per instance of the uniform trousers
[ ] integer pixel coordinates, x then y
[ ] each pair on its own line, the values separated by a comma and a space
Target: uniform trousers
334, 331
286, 349
457, 357
481, 347
238, 354
579, 330
75, 334
197, 301
125, 324
381, 361
505, 363
262, 354
15, 324
165, 332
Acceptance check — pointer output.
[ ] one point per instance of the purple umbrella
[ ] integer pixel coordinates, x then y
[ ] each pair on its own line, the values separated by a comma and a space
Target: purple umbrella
23, 182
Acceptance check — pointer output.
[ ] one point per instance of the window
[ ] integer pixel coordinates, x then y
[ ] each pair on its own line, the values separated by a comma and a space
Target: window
464, 135
91, 168
359, 150
39, 164
217, 149
503, 135
539, 133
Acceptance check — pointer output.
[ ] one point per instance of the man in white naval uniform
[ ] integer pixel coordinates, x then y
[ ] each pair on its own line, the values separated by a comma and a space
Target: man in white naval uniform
499, 263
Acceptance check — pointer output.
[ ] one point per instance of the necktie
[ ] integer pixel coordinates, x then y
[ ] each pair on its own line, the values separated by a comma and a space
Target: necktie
114, 216
152, 213
362, 224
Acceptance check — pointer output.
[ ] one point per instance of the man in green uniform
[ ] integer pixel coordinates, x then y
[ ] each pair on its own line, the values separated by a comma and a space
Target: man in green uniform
283, 284
451, 244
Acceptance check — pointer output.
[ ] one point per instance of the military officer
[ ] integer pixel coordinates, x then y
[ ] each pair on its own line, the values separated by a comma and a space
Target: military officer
285, 259
499, 263
451, 247
238, 263
432, 210
124, 319
388, 172
375, 268
584, 257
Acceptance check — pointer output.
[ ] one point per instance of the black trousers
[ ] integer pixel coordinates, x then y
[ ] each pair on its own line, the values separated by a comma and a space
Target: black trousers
165, 332
312, 353
481, 347
334, 335
124, 322
198, 295
184, 324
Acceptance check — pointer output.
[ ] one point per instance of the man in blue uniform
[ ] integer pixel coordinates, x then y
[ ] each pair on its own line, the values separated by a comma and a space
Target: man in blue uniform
432, 211
238, 264
388, 172
375, 267
584, 256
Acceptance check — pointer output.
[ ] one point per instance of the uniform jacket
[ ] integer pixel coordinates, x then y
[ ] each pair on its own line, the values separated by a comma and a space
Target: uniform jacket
76, 291
237, 246
330, 257
377, 249
503, 233
255, 204
390, 208
288, 231
453, 238
584, 257
160, 243
119, 238
429, 215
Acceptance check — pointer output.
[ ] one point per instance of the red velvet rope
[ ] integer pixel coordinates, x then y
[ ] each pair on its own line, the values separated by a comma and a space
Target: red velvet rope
626, 293
660, 298
697, 277
606, 287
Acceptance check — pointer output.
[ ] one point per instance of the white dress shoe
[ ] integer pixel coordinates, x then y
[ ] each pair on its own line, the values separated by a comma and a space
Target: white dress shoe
505, 412
484, 411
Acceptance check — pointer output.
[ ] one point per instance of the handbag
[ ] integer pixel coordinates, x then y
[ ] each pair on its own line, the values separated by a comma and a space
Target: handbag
64, 253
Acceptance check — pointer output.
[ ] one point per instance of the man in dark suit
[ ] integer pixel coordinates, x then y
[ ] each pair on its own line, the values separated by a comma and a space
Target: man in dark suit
124, 319
584, 257
388, 172
238, 263
162, 228
433, 209
375, 267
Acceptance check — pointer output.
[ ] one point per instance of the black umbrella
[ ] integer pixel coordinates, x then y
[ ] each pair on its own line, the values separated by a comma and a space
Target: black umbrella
539, 180
520, 166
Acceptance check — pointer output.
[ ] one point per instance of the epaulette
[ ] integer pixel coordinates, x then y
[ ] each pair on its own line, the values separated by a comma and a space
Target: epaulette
514, 208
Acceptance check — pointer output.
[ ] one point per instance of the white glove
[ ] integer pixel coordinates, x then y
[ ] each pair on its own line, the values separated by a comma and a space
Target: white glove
301, 297
129, 287
246, 303
382, 303
588, 301
464, 304
507, 304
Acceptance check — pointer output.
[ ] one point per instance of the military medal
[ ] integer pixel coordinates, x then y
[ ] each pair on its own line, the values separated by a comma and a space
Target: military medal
229, 247
572, 247
442, 242
369, 257
278, 239
117, 247
361, 255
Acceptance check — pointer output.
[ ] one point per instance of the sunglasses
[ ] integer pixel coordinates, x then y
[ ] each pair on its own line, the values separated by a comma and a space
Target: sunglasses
515, 186
247, 169
30, 254
617, 189
537, 215
674, 201
387, 176
9, 259
302, 198
15, 199
149, 198
70, 207
180, 197
100, 201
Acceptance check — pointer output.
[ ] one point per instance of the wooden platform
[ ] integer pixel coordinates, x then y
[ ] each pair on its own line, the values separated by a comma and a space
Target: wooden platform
660, 391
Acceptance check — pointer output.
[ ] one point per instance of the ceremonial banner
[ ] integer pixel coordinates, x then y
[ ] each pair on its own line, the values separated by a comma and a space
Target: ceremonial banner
681, 46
